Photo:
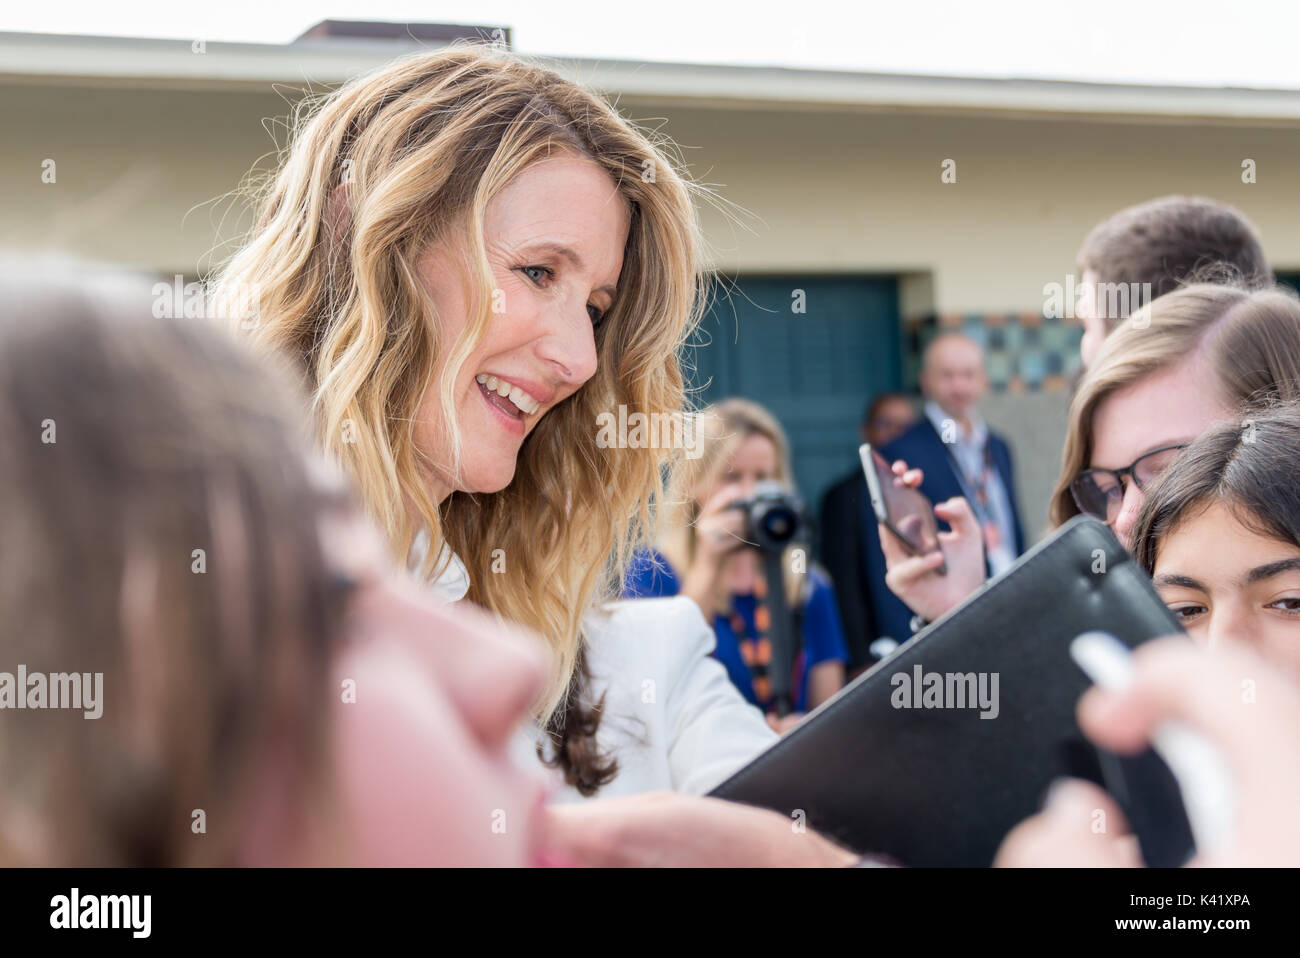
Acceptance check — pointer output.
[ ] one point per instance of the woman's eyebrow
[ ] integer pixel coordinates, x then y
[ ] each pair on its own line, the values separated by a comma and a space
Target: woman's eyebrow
1267, 571
1181, 581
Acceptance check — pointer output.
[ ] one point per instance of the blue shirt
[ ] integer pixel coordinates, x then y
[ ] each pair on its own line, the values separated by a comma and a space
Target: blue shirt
650, 576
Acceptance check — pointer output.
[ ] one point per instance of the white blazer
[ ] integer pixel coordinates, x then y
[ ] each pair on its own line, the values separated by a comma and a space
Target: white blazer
673, 719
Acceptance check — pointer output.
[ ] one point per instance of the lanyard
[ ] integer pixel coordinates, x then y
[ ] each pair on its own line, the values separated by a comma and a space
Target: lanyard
756, 649
976, 491
977, 496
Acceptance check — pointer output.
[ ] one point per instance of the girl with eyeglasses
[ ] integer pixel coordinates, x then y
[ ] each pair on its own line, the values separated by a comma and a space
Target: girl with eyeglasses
1220, 535
1187, 360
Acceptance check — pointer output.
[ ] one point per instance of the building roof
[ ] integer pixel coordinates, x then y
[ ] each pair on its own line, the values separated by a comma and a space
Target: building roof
175, 64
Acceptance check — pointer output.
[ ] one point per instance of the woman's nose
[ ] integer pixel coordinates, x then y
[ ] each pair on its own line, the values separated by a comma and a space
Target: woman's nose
1227, 628
499, 694
1128, 513
569, 346
495, 678
491, 671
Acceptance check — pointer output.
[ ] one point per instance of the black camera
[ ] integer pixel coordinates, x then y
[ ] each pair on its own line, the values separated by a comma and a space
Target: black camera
774, 517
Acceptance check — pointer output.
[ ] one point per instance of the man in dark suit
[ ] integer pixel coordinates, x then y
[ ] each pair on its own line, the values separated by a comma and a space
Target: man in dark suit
959, 456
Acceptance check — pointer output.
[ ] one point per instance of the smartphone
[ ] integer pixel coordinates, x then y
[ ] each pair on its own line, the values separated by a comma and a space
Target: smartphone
904, 511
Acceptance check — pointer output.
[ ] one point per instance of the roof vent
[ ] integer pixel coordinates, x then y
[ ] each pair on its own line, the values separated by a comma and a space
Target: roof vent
412, 34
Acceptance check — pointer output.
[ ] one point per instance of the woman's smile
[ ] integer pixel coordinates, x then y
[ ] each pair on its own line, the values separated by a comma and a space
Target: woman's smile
505, 411
520, 398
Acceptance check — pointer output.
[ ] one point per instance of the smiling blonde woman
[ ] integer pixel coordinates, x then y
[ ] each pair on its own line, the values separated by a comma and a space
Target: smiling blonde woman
474, 258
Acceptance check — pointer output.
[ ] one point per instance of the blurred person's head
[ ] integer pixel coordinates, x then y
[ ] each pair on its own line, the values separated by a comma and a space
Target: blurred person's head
423, 748
952, 374
1220, 535
166, 528
741, 445
476, 259
159, 529
1187, 360
1158, 246
887, 417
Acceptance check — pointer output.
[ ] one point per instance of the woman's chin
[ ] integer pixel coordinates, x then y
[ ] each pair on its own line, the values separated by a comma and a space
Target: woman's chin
488, 481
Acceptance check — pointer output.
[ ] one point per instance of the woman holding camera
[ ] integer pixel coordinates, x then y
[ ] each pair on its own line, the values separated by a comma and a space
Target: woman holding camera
708, 554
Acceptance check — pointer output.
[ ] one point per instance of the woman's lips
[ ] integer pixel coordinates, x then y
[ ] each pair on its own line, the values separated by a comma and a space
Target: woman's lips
508, 412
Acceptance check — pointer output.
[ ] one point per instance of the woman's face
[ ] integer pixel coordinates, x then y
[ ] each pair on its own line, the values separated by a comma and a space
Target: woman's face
427, 699
1228, 584
554, 239
755, 461
1170, 407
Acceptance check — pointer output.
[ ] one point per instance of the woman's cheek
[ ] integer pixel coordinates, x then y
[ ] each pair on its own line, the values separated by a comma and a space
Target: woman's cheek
1282, 644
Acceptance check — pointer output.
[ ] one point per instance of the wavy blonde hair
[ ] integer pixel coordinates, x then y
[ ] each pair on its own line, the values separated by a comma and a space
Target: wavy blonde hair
420, 148
1250, 339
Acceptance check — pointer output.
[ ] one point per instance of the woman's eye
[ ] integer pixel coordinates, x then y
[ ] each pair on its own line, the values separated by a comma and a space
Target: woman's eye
1290, 605
1184, 613
595, 313
537, 273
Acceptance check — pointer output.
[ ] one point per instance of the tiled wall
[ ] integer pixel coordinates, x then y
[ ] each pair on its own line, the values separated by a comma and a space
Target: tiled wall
1032, 363
1025, 352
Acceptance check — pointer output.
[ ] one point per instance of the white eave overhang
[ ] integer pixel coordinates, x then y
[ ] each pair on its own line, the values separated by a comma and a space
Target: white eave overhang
176, 64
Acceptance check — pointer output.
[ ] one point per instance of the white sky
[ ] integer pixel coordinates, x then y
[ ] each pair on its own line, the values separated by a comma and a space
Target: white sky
1197, 42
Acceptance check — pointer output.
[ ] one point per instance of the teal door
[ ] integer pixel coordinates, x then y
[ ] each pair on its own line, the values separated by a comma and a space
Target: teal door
815, 370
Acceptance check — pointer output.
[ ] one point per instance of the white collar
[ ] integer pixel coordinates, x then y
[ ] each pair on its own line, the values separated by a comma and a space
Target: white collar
451, 583
979, 430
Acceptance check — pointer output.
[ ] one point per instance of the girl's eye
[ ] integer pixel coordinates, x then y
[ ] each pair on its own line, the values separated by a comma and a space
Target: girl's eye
1290, 605
595, 314
537, 273
1185, 613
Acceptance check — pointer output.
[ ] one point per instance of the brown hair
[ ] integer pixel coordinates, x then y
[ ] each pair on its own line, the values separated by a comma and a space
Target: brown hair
1170, 241
159, 529
1250, 340
1248, 465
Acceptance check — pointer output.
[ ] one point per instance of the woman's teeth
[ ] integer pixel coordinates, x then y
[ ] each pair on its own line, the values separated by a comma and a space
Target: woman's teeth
523, 402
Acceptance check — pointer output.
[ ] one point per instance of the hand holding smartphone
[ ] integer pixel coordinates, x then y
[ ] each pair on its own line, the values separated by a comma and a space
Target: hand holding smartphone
905, 512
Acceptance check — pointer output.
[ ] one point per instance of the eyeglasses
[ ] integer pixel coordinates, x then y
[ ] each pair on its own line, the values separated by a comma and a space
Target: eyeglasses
1100, 492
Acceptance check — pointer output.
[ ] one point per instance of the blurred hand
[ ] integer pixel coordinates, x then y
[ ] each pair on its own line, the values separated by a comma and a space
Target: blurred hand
782, 725
1243, 705
1080, 826
667, 829
719, 530
1239, 702
915, 579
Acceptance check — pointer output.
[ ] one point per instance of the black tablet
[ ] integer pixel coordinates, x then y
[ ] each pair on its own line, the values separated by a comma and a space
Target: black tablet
944, 746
